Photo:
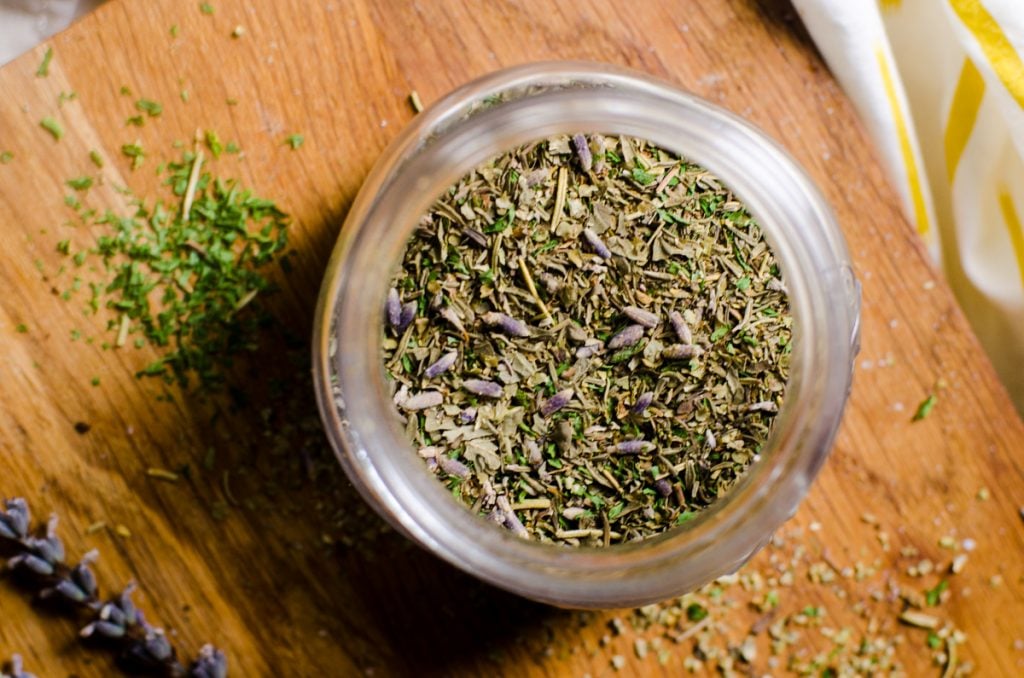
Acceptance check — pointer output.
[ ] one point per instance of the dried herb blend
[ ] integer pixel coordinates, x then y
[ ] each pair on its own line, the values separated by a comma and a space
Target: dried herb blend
589, 339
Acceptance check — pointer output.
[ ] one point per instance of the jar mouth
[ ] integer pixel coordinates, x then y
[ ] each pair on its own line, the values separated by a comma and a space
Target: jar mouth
545, 100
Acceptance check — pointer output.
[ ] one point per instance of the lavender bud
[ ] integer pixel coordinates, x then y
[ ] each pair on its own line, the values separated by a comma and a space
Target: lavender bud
102, 628
407, 315
507, 324
588, 351
17, 516
513, 524
211, 664
643, 402
626, 337
764, 406
83, 575
679, 352
423, 400
574, 512
157, 646
68, 590
6, 531
452, 467
475, 236
579, 144
663, 487
442, 365
468, 415
634, 446
481, 387
113, 614
596, 244
556, 402
393, 307
17, 669
680, 326
32, 563
449, 314
126, 605
639, 315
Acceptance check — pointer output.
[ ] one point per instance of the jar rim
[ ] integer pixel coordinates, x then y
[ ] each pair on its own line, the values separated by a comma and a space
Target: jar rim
452, 139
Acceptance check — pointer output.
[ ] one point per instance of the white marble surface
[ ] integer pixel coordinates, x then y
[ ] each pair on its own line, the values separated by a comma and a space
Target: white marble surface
26, 23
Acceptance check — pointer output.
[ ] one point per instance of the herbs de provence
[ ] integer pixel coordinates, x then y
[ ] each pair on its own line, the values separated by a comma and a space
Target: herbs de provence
588, 339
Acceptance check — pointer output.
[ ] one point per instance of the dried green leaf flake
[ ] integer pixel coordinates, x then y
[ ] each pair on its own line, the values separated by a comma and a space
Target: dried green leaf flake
53, 127
6, 157
80, 183
925, 408
149, 107
295, 141
44, 67
206, 8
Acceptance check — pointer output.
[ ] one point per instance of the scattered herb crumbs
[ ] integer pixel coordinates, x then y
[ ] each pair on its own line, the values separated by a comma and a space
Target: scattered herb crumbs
295, 140
95, 381
6, 157
65, 97
414, 101
184, 95
80, 183
126, 90
934, 595
135, 121
213, 143
231, 147
231, 101
925, 408
21, 328
44, 67
135, 152
206, 8
150, 107
96, 158
53, 127
174, 31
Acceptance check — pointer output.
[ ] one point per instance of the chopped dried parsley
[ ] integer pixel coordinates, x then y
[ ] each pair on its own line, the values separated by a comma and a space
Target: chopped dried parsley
44, 68
135, 152
213, 143
21, 328
150, 107
53, 127
80, 183
96, 158
295, 140
174, 31
925, 408
6, 157
186, 276
206, 8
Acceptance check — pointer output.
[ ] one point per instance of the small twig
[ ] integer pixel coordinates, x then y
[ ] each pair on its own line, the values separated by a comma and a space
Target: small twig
533, 288
563, 178
193, 181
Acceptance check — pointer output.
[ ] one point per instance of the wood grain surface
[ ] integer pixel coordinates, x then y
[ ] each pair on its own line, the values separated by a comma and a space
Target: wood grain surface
270, 556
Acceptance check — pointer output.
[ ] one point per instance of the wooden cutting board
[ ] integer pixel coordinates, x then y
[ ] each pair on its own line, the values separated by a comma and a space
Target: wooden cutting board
275, 560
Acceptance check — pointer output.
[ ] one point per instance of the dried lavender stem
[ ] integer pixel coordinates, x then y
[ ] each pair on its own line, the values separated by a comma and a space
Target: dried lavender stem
528, 279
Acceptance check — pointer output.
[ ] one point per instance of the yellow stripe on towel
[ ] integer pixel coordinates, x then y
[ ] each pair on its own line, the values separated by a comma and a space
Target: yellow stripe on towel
970, 89
1013, 225
1005, 60
906, 149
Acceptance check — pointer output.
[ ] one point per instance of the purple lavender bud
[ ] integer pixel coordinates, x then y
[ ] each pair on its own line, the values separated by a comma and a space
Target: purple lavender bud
475, 236
680, 326
579, 144
17, 668
468, 415
663, 487
556, 402
639, 315
32, 563
82, 574
764, 406
393, 307
407, 315
17, 516
627, 336
6, 531
514, 525
452, 467
507, 324
442, 365
423, 400
211, 664
634, 446
679, 352
126, 605
69, 591
112, 613
157, 646
643, 402
482, 387
102, 628
596, 244
588, 350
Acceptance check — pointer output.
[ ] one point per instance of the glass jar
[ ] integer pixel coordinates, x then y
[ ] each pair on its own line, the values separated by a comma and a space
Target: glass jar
481, 120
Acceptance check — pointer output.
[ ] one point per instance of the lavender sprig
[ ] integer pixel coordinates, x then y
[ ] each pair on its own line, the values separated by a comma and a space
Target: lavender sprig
13, 669
38, 563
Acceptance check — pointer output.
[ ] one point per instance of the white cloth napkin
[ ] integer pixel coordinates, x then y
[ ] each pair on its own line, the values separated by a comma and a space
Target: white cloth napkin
26, 23
940, 86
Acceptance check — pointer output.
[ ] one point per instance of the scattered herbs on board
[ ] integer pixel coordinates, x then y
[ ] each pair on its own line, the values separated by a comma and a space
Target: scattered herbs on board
588, 338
